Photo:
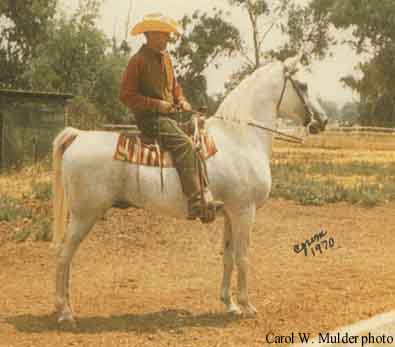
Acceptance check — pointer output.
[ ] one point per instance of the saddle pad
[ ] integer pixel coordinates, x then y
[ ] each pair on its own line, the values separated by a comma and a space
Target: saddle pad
131, 149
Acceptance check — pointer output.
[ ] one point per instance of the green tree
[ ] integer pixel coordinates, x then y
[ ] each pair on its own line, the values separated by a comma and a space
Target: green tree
349, 113
77, 59
207, 38
307, 29
304, 28
71, 58
105, 93
373, 29
263, 18
24, 26
256, 10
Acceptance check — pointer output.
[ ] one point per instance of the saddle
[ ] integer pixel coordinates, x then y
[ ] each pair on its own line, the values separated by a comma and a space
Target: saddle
140, 149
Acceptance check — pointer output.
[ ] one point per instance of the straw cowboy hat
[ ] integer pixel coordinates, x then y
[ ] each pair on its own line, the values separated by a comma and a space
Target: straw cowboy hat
156, 22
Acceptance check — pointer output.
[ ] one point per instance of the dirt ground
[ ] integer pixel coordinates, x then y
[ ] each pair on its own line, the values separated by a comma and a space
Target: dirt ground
144, 280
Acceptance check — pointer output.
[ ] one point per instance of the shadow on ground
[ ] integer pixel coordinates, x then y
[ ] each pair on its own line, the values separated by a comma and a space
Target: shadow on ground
142, 323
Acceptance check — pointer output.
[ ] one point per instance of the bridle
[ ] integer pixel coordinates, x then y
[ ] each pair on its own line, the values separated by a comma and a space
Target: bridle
309, 114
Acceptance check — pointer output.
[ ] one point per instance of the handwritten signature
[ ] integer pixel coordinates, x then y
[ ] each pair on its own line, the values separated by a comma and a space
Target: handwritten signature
315, 244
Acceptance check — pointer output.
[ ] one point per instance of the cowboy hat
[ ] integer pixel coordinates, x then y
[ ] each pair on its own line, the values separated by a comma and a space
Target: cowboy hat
156, 22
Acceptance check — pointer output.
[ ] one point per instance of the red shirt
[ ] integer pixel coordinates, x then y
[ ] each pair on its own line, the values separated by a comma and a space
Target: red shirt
149, 78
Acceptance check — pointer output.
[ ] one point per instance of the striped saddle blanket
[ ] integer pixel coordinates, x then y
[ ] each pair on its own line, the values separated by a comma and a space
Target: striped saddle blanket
132, 149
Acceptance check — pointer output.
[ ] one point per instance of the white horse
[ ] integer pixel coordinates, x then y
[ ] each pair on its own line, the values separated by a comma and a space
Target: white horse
87, 181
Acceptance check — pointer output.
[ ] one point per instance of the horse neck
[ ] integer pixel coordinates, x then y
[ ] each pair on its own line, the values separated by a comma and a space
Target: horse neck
241, 135
255, 99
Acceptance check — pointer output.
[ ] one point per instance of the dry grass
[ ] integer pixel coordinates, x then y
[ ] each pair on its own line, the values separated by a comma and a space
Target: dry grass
357, 168
309, 174
370, 141
18, 183
303, 153
337, 147
25, 202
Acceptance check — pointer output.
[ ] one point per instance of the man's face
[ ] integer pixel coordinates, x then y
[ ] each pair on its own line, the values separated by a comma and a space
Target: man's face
158, 40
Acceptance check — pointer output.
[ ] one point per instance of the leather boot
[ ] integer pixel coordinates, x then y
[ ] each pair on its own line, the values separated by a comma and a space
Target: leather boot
191, 187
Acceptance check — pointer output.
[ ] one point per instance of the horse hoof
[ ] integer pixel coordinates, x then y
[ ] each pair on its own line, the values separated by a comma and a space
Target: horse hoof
233, 309
55, 246
249, 311
67, 321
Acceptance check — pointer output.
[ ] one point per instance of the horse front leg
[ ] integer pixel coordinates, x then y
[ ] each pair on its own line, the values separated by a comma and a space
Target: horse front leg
241, 228
228, 259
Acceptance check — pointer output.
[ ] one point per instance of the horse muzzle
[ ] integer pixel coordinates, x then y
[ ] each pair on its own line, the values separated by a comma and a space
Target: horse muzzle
316, 126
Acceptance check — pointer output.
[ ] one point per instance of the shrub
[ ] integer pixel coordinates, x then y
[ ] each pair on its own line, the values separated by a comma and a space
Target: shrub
44, 230
42, 190
12, 209
317, 183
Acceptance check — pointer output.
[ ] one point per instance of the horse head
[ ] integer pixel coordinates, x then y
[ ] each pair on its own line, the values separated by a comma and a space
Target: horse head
297, 102
271, 89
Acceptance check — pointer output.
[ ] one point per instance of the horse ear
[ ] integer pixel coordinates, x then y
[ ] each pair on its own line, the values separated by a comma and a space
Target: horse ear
291, 64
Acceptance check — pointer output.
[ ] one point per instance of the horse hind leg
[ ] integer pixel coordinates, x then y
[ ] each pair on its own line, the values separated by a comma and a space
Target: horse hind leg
77, 230
228, 259
242, 225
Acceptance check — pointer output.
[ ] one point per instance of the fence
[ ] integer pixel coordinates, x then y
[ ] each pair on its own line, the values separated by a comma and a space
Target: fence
28, 124
357, 129
353, 138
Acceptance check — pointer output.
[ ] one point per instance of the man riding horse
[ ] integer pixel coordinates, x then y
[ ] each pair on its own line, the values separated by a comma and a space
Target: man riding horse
150, 90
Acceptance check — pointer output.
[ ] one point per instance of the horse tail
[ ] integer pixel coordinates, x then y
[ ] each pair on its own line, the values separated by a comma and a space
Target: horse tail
59, 146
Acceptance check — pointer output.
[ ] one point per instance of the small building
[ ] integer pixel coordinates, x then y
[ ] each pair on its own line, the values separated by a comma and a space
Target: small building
29, 122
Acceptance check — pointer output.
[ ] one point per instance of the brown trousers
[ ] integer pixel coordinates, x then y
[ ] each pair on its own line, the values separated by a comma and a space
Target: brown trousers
174, 140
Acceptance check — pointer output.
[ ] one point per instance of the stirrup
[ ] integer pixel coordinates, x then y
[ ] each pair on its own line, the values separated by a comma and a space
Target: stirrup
206, 212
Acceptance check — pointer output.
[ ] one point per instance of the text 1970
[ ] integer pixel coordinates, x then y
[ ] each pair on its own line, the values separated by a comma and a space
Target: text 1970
316, 244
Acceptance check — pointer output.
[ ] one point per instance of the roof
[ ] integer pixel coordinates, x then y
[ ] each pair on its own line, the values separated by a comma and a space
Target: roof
34, 95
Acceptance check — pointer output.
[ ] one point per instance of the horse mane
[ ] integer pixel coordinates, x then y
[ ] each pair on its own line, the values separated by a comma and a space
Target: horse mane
238, 104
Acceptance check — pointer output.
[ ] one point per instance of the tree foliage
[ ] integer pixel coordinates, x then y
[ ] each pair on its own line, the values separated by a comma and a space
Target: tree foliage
23, 26
207, 39
373, 28
308, 30
256, 10
69, 60
349, 113
77, 59
304, 28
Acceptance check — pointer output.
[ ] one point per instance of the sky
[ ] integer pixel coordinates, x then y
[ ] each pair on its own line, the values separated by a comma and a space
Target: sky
323, 78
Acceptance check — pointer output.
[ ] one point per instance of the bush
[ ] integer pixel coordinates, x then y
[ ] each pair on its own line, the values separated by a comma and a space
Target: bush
310, 192
44, 230
12, 209
317, 184
28, 217
38, 230
83, 114
42, 190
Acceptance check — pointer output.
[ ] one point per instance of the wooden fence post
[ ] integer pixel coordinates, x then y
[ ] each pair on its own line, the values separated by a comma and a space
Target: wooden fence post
2, 142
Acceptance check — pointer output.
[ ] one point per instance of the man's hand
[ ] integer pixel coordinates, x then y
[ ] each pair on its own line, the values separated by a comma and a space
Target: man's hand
166, 107
185, 106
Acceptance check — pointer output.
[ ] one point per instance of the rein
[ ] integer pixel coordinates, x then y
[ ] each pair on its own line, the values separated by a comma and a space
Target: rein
286, 137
